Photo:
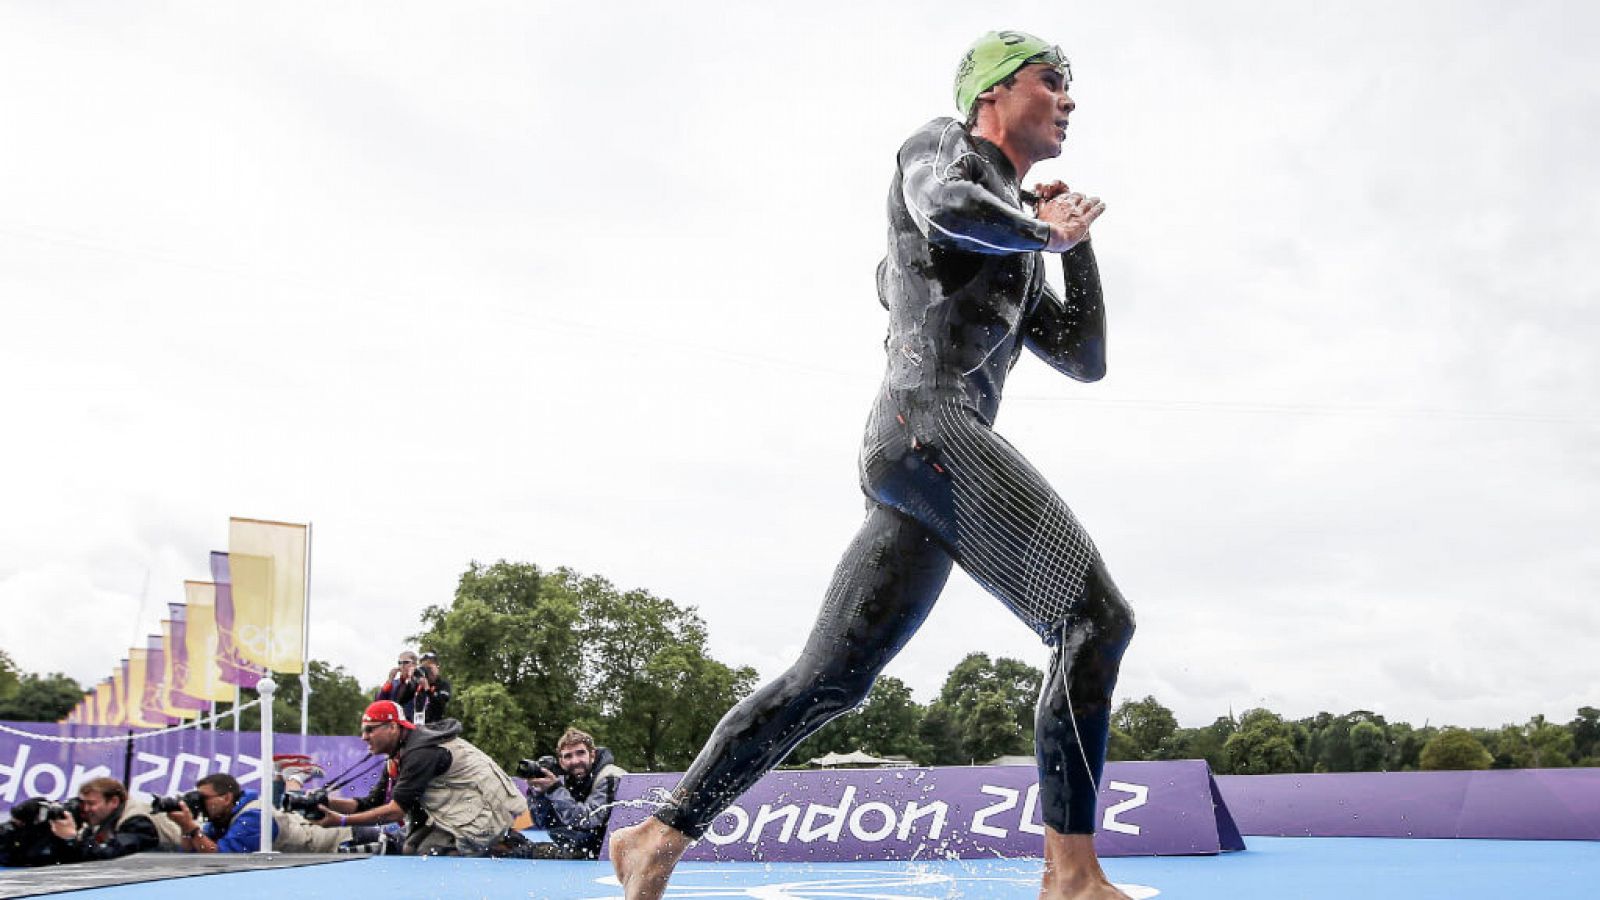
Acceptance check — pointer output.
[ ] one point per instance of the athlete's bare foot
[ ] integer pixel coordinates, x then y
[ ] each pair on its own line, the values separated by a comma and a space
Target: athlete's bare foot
1071, 870
644, 855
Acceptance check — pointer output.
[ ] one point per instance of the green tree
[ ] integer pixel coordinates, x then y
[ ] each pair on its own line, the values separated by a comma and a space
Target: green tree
10, 677
990, 729
40, 698
659, 719
512, 625
1537, 745
568, 649
1586, 736
501, 728
1120, 746
337, 702
887, 723
1369, 747
1146, 723
976, 691
1264, 744
1454, 748
940, 734
1201, 743
1405, 746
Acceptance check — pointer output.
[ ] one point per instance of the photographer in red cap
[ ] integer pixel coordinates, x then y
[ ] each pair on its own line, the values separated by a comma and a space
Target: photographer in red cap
454, 799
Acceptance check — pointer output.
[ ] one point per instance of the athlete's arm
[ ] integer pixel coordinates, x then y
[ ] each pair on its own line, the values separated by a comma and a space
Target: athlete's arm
1070, 333
937, 171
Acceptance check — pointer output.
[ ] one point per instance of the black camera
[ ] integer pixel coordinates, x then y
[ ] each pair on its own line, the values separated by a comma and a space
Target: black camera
538, 768
188, 799
68, 809
306, 803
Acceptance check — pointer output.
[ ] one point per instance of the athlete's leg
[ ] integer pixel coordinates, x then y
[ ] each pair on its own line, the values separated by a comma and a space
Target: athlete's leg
1072, 723
881, 592
1008, 529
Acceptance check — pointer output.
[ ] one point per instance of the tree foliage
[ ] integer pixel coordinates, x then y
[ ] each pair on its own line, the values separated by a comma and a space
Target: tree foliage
1146, 724
1455, 748
10, 677
990, 703
1585, 730
337, 702
1263, 745
565, 649
37, 698
888, 723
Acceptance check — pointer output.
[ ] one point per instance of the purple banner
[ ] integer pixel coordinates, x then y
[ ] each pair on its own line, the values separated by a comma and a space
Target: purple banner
1516, 804
178, 641
1151, 808
235, 669
166, 764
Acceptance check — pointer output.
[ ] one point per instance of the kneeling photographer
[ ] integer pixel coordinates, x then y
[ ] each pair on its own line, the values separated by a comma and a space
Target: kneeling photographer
570, 797
100, 823
453, 797
232, 814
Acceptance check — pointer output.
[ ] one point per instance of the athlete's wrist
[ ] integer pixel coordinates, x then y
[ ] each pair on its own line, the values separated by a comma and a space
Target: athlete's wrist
1059, 241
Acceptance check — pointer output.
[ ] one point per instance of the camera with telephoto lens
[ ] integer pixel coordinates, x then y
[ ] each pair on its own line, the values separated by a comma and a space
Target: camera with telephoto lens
68, 809
538, 768
307, 803
188, 799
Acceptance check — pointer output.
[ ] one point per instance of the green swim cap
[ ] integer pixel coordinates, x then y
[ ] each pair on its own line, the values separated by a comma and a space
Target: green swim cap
994, 57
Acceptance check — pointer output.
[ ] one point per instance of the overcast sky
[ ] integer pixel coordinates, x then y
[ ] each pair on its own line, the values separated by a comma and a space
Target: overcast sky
592, 285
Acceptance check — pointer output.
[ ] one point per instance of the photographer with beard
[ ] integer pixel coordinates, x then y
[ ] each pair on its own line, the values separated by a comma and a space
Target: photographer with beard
574, 803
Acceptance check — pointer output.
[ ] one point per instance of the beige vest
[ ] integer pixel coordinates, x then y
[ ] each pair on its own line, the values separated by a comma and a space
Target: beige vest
474, 798
296, 835
167, 830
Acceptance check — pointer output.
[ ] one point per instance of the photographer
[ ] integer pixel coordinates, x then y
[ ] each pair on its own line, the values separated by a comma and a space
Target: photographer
573, 801
432, 692
232, 814
26, 840
401, 685
455, 800
105, 824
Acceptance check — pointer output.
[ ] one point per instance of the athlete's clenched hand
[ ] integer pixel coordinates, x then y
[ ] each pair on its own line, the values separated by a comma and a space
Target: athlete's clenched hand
1068, 213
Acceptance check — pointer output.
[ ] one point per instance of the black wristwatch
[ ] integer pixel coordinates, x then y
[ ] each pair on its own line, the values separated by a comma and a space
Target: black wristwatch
193, 834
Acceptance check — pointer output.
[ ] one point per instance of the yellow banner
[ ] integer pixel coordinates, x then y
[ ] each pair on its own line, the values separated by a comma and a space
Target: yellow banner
119, 695
102, 702
204, 677
267, 564
139, 688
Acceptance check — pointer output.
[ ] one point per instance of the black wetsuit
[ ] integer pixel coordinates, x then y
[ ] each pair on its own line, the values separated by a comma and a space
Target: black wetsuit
965, 288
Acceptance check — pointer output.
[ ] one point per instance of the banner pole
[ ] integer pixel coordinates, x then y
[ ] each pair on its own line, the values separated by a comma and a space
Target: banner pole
266, 687
238, 694
305, 649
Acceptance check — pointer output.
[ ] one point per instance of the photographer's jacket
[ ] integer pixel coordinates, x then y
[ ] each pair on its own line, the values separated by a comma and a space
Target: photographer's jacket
243, 834
576, 811
453, 785
131, 830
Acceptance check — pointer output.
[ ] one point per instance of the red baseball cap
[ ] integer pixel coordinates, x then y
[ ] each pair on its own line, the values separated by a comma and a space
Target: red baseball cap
382, 711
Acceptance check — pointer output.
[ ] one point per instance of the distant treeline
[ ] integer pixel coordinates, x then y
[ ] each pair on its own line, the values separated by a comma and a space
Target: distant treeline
530, 652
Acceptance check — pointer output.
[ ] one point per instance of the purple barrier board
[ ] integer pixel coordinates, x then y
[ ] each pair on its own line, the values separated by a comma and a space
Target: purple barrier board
165, 764
1507, 804
1145, 809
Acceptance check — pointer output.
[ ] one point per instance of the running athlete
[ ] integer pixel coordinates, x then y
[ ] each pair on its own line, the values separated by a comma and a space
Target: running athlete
965, 288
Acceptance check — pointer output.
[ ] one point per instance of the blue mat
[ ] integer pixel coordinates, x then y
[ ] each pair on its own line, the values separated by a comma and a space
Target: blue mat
1309, 868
